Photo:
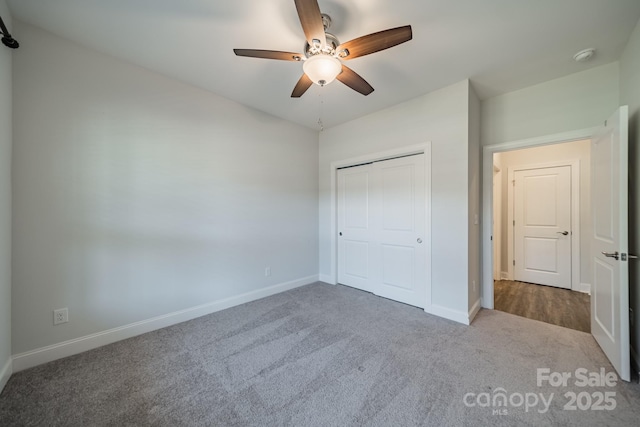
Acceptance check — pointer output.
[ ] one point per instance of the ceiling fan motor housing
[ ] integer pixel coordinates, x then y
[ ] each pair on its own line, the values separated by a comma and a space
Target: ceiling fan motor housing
329, 48
323, 52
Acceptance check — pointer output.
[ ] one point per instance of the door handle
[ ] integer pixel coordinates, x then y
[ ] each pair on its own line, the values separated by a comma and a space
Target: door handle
564, 233
615, 255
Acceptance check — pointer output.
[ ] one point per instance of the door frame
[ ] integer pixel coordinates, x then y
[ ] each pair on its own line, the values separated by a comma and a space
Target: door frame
575, 215
487, 196
424, 148
497, 223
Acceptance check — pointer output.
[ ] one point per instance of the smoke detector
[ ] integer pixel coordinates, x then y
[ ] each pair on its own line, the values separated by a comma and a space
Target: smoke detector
584, 55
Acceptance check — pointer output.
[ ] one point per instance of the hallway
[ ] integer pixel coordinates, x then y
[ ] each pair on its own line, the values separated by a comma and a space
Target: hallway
557, 306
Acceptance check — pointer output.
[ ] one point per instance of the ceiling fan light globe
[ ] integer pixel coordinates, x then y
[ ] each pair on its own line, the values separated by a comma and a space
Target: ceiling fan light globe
322, 69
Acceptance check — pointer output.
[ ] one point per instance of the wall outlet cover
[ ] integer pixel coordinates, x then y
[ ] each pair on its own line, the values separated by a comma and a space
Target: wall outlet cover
60, 316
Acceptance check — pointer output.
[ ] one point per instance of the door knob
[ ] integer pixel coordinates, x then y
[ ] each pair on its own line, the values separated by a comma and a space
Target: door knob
419, 240
564, 233
614, 255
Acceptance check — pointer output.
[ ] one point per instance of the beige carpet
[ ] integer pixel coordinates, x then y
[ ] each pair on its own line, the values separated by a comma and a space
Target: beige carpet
324, 355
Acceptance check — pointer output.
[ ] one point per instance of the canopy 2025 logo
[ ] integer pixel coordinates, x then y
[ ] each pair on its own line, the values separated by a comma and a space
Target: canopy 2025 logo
582, 378
500, 401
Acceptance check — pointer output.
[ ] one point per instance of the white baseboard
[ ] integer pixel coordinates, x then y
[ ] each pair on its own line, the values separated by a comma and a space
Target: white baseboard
584, 288
5, 374
447, 313
504, 275
474, 311
327, 279
49, 353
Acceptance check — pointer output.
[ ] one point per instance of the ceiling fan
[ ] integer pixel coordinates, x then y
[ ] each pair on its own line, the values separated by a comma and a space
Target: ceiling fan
323, 53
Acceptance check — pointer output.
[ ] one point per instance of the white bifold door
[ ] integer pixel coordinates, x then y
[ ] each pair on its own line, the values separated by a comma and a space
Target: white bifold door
381, 228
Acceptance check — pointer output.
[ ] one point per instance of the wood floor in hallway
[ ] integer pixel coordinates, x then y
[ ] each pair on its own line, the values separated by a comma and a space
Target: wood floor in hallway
562, 307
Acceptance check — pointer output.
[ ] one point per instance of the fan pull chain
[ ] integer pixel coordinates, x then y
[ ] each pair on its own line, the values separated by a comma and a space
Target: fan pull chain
320, 124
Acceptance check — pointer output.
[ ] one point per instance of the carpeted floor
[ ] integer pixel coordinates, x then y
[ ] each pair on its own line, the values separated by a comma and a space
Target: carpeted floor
324, 355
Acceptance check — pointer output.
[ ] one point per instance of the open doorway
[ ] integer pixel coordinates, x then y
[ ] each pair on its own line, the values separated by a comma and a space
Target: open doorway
608, 242
541, 221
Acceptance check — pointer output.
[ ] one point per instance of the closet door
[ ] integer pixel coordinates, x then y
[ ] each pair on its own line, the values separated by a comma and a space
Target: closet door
381, 225
399, 230
355, 236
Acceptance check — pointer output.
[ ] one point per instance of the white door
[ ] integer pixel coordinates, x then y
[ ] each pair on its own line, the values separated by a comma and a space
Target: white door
609, 241
542, 228
399, 230
354, 242
381, 229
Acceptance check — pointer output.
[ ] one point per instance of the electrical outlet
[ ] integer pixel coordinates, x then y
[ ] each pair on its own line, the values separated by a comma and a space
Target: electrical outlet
267, 272
60, 316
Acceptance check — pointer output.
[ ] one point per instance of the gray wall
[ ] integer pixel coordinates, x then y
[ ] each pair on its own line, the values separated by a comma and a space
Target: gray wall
441, 117
5, 202
578, 101
136, 195
630, 95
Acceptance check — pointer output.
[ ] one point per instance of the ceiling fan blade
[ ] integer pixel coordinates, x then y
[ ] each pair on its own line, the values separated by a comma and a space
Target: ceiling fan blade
301, 87
375, 42
354, 81
269, 54
311, 20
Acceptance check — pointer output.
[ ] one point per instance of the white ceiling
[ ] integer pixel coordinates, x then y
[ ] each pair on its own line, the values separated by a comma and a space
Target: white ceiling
501, 45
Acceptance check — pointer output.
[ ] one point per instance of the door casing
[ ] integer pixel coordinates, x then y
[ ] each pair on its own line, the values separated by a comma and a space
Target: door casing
497, 223
487, 196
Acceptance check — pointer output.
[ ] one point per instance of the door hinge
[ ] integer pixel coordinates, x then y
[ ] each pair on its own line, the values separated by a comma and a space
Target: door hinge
605, 123
514, 222
513, 182
514, 262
